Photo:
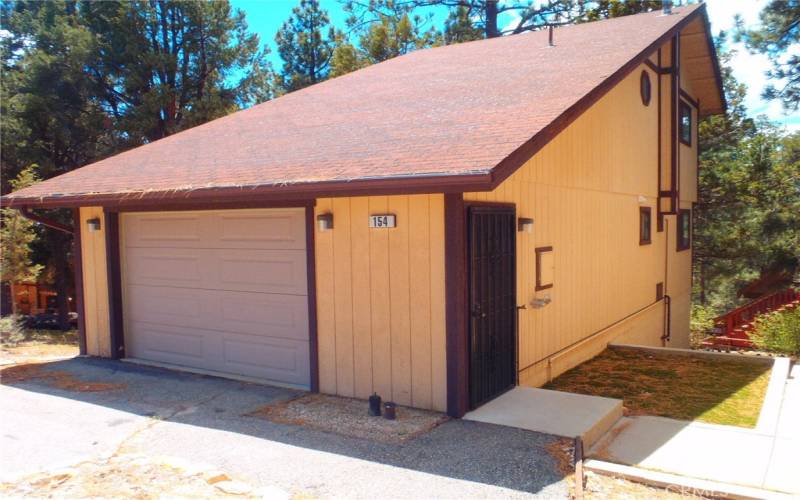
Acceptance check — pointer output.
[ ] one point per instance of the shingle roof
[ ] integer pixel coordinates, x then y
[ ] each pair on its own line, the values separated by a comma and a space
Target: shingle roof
447, 115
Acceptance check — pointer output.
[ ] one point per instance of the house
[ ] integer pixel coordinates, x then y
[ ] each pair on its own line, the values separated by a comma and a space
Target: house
435, 228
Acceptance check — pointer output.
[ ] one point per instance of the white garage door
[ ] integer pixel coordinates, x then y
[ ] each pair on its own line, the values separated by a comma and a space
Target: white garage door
218, 290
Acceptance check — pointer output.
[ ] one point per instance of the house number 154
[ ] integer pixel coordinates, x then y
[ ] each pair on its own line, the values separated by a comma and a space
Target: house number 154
384, 220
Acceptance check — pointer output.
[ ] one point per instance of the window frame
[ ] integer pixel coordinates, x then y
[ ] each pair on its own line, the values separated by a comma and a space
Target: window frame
645, 83
539, 251
685, 106
645, 212
680, 228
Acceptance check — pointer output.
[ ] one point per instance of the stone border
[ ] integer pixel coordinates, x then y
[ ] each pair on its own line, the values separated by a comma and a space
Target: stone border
680, 484
773, 399
727, 356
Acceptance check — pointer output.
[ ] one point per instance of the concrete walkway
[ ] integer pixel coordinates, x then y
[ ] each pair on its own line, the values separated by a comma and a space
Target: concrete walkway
551, 412
765, 457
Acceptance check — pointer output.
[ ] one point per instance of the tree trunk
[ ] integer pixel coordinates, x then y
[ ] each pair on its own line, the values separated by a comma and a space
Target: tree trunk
491, 19
59, 247
13, 292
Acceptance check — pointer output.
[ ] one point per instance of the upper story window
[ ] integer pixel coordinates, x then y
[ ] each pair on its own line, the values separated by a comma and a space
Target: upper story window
645, 226
685, 123
684, 229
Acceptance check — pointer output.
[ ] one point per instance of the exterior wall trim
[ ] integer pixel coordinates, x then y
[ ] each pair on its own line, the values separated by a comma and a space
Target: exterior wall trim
311, 276
457, 347
114, 277
77, 265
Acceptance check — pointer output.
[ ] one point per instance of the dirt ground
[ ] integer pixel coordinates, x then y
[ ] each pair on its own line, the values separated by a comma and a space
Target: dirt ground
37, 345
135, 476
349, 417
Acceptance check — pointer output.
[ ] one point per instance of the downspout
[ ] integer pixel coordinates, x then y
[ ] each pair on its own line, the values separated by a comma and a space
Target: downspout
64, 228
667, 329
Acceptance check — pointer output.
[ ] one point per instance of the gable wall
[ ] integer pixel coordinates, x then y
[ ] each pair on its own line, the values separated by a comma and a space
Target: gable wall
583, 191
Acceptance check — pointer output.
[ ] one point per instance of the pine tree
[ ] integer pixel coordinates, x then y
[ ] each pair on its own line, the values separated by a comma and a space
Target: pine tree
779, 32
16, 236
306, 43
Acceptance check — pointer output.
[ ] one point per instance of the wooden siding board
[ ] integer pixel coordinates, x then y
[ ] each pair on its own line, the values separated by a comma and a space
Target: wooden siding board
380, 302
362, 310
437, 305
420, 300
400, 301
326, 314
343, 297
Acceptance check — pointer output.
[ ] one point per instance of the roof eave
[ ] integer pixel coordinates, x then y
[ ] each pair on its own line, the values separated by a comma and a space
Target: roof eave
222, 196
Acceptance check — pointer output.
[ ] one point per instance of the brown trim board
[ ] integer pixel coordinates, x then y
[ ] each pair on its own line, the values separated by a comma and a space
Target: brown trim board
77, 267
457, 347
114, 274
538, 252
311, 277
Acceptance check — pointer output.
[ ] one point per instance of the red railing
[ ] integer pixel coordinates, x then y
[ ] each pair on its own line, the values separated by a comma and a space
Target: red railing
731, 328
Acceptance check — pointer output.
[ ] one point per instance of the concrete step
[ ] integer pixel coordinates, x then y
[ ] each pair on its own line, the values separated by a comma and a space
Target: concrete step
552, 412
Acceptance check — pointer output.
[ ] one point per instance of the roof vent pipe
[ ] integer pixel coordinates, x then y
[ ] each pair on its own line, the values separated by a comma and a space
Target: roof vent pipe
550, 35
666, 8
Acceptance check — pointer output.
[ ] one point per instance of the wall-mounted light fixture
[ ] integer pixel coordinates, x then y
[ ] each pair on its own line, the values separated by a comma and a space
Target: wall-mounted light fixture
642, 199
93, 224
325, 221
525, 225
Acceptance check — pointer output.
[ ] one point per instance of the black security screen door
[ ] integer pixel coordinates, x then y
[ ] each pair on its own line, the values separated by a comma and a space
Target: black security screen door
492, 300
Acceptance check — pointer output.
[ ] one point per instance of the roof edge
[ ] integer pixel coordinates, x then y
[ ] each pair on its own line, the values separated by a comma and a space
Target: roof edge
526, 151
238, 195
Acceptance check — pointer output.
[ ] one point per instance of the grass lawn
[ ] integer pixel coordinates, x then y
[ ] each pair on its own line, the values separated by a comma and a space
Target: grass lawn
680, 387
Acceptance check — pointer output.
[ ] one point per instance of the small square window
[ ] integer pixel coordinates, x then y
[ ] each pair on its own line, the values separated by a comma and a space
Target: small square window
685, 123
684, 229
645, 225
544, 268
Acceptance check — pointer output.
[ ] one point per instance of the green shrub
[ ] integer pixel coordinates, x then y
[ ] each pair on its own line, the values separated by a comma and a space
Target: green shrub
701, 322
778, 332
12, 328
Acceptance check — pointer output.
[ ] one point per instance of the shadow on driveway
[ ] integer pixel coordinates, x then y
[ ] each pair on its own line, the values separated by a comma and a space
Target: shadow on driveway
472, 451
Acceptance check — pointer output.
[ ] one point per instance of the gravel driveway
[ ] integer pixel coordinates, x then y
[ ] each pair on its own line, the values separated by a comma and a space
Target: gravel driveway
202, 420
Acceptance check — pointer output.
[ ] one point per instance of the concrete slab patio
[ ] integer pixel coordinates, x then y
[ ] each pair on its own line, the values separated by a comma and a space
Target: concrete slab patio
204, 420
552, 412
764, 457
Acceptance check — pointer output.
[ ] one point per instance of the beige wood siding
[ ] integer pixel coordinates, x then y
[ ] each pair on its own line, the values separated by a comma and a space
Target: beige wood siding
688, 154
584, 190
95, 284
380, 300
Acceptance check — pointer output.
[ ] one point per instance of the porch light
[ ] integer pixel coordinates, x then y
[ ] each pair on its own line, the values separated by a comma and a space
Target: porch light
325, 221
525, 225
93, 224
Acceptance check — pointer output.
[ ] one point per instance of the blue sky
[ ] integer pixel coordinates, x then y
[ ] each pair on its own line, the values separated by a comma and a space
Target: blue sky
266, 16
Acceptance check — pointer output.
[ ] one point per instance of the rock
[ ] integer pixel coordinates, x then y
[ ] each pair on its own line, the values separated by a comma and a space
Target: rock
215, 476
272, 493
233, 487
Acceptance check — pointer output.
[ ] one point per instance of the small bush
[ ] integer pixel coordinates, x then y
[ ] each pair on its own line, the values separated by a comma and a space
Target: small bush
12, 328
778, 332
702, 322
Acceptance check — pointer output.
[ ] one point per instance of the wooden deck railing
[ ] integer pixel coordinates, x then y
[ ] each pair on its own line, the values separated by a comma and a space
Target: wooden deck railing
740, 318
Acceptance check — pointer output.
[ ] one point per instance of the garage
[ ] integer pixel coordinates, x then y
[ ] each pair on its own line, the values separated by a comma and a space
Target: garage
222, 291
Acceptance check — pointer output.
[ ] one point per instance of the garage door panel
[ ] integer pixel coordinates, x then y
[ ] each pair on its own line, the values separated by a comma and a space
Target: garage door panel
262, 229
263, 271
278, 230
269, 315
283, 360
224, 291
275, 359
167, 344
